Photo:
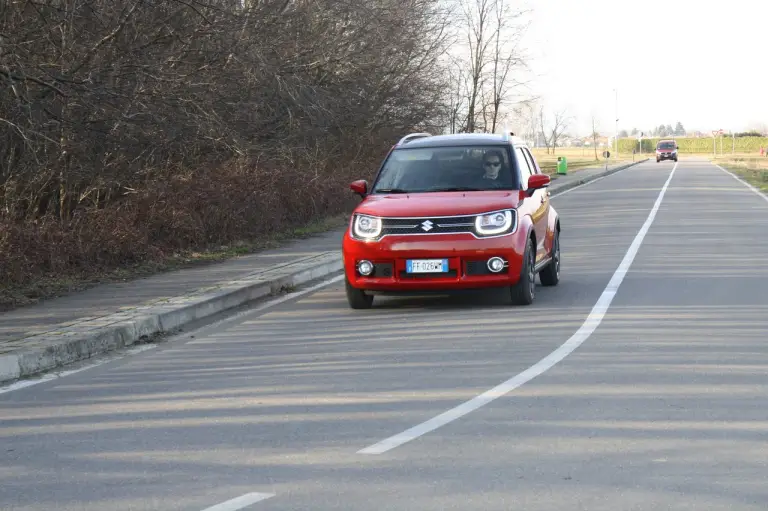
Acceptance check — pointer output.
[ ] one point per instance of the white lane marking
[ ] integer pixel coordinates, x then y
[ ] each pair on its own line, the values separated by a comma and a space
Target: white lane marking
590, 182
103, 359
582, 334
737, 178
22, 384
240, 502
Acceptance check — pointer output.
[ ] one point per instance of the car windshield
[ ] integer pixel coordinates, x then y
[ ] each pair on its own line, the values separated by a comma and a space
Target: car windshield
442, 169
667, 145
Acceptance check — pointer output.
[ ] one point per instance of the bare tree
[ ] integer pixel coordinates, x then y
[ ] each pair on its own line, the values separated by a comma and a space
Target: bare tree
457, 98
526, 113
478, 16
595, 135
560, 122
554, 129
506, 57
543, 129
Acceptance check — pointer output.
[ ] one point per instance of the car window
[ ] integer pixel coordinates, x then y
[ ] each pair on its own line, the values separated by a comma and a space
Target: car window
666, 145
435, 169
532, 161
525, 170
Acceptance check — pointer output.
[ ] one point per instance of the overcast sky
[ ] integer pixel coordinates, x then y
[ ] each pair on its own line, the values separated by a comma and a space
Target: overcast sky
671, 60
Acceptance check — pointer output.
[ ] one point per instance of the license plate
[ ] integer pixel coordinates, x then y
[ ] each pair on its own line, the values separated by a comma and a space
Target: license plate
426, 266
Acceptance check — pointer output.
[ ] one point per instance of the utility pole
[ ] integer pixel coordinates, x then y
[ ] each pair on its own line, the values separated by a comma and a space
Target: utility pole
616, 130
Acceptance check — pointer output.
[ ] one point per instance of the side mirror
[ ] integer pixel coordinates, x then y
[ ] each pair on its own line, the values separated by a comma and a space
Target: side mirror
360, 187
538, 181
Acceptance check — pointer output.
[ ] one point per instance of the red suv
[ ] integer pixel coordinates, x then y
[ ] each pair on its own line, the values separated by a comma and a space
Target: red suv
452, 212
666, 150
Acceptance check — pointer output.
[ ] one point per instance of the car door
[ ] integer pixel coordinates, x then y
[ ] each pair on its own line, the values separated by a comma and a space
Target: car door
544, 205
538, 201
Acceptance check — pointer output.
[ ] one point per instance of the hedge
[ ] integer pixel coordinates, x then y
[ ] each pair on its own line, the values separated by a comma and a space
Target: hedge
698, 145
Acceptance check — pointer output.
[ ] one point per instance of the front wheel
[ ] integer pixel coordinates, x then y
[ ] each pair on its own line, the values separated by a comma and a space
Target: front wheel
550, 275
357, 298
524, 291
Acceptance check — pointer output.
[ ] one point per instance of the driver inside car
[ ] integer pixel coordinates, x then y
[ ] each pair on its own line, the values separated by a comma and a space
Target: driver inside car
495, 173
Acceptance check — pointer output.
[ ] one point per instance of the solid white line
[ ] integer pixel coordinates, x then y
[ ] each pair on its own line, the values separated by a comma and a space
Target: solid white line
22, 384
582, 334
240, 502
737, 178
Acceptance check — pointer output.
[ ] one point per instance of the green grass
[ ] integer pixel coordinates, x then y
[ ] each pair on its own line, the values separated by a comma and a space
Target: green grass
53, 286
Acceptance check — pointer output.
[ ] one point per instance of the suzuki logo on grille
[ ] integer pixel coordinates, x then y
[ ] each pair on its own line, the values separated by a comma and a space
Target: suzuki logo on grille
426, 225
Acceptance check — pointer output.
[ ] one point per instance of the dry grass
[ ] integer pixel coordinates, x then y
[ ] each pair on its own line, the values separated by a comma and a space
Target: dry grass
751, 168
577, 158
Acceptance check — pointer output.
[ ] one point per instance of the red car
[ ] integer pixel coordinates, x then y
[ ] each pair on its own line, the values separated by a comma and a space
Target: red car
666, 150
452, 212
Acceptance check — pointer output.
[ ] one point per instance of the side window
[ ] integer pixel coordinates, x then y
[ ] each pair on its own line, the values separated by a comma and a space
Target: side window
525, 170
532, 161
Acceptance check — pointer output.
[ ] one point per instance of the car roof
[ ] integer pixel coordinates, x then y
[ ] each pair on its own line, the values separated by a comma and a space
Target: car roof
460, 139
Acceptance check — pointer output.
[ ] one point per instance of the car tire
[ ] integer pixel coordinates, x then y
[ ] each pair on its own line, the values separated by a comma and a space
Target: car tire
357, 298
657, 160
550, 275
524, 292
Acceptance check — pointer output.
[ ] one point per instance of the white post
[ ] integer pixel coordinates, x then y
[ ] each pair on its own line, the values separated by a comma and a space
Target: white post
616, 130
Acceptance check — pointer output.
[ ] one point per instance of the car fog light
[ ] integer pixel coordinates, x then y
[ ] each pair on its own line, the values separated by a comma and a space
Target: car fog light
495, 264
365, 267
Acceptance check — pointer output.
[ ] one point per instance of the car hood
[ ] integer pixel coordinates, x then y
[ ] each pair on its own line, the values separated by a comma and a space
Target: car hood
665, 150
438, 203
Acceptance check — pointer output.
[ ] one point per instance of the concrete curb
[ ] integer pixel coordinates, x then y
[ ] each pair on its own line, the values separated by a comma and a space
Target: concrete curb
573, 184
94, 336
89, 337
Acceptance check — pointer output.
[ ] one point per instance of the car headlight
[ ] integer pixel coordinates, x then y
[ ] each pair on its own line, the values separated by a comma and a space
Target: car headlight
366, 227
494, 223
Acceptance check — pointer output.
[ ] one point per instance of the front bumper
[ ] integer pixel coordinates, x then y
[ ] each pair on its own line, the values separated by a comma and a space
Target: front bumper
467, 261
666, 156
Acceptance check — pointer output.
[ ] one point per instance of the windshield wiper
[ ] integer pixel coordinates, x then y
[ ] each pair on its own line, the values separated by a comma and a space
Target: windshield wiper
391, 190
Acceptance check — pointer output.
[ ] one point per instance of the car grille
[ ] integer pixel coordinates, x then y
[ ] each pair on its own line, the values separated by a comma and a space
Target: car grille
446, 225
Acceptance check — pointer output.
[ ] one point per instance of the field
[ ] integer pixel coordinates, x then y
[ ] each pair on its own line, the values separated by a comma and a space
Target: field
577, 158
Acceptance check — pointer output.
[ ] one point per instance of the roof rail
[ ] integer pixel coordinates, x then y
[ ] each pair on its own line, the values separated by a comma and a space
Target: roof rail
413, 136
507, 133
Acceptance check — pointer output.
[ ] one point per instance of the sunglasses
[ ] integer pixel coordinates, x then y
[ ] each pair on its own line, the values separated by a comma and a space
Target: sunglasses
492, 163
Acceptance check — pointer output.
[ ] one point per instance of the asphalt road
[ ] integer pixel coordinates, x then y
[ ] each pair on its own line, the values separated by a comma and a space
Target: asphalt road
663, 406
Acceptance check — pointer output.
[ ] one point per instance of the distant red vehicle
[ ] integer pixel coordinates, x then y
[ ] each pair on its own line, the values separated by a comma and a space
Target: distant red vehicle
666, 150
453, 212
